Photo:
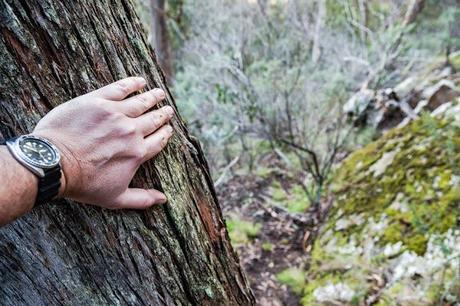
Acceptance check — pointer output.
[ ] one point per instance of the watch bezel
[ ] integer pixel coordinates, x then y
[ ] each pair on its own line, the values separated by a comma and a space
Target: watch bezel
31, 161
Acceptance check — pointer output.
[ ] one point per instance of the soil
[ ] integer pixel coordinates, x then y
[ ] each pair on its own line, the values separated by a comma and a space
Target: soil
247, 198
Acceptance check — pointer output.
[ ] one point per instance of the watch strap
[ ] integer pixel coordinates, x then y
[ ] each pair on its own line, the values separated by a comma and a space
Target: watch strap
48, 186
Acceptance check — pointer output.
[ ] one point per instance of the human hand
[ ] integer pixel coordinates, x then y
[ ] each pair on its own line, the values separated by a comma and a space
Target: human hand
104, 137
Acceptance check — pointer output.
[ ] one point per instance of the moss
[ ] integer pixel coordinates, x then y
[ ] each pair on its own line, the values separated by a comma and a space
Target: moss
294, 278
241, 231
293, 200
267, 246
264, 172
421, 172
454, 60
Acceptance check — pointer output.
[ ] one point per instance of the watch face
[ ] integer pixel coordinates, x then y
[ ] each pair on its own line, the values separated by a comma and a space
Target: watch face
38, 151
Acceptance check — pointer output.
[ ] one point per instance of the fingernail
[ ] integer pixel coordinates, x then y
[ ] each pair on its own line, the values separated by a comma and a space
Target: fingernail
169, 129
159, 93
162, 200
169, 110
141, 80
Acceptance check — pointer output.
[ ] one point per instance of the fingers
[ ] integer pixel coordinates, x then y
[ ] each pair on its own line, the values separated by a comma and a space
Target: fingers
157, 141
119, 90
152, 121
136, 198
137, 105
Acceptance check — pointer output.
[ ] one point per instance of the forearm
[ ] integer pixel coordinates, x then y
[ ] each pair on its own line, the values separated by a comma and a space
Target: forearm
18, 188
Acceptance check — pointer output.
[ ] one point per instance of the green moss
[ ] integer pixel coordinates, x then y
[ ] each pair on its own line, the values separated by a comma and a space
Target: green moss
294, 278
267, 246
263, 172
420, 171
293, 200
241, 231
454, 60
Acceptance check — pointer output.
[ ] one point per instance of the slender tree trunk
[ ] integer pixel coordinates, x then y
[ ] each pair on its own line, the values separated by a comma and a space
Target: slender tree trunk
414, 8
66, 253
364, 17
160, 37
320, 20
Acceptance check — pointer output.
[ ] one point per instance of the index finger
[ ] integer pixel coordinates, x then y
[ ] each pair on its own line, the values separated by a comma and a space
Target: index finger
119, 90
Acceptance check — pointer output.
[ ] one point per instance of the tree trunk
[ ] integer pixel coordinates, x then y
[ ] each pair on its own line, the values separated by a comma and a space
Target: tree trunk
160, 35
414, 8
66, 253
320, 20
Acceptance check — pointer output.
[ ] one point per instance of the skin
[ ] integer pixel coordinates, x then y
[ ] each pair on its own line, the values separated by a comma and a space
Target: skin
103, 138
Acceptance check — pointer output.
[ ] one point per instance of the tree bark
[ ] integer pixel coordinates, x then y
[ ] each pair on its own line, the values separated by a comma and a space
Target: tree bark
414, 8
66, 253
160, 37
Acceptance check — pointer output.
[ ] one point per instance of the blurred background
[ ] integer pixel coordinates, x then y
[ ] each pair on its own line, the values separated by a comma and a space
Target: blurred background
332, 131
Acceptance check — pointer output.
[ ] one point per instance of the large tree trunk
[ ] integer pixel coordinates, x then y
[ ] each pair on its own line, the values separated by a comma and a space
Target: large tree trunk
66, 253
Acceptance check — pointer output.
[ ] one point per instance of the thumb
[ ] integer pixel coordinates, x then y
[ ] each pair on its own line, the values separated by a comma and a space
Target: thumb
137, 198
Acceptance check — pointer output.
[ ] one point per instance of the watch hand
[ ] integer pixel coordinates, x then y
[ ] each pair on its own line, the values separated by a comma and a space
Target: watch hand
31, 149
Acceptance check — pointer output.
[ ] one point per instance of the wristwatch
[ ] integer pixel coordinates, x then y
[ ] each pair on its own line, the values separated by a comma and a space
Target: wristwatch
42, 158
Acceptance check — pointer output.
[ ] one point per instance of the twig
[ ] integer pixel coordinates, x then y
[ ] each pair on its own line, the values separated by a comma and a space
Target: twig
226, 169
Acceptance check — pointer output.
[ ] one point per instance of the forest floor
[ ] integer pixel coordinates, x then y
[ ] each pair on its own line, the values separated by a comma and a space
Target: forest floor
267, 238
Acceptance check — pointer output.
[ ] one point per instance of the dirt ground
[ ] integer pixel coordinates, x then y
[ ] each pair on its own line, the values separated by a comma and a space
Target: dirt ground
247, 198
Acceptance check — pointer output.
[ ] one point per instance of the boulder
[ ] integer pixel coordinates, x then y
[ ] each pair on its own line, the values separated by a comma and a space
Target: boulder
396, 217
440, 93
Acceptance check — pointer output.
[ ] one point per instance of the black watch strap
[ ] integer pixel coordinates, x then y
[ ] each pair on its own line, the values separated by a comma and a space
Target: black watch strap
48, 186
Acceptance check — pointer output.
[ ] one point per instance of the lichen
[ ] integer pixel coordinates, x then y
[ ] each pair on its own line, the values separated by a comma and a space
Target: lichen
413, 163
392, 224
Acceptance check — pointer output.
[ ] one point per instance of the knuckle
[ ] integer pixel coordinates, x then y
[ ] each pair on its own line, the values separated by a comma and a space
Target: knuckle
123, 86
146, 201
164, 140
128, 129
139, 153
143, 101
115, 116
156, 122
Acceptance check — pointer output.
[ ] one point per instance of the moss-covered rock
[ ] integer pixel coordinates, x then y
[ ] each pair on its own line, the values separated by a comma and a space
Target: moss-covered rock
409, 177
392, 232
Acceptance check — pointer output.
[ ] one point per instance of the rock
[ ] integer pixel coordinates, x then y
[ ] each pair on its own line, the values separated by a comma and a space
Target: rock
358, 103
404, 88
444, 91
405, 189
390, 107
379, 167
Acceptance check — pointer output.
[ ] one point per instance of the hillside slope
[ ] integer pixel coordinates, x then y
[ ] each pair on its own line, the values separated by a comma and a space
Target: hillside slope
392, 237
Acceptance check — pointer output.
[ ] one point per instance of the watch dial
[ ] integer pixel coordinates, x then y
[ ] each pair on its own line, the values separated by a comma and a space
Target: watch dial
38, 152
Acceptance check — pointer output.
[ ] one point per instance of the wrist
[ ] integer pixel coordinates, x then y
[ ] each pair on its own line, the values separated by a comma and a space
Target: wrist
68, 163
27, 178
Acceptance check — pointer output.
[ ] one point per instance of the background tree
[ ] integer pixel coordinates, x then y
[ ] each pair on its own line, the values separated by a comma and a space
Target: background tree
64, 253
414, 8
160, 39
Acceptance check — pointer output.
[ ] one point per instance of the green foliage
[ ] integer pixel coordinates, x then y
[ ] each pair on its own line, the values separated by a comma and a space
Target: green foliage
294, 278
294, 199
267, 246
417, 179
241, 231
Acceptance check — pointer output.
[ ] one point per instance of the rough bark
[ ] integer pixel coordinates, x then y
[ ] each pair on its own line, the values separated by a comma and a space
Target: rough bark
160, 36
413, 10
66, 253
